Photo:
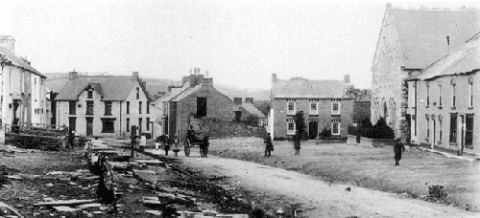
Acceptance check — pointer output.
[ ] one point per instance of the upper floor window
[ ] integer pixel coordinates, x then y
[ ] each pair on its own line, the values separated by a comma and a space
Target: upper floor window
453, 93
108, 108
128, 107
313, 107
89, 107
139, 107
72, 107
148, 108
90, 93
428, 95
138, 93
291, 107
470, 92
336, 106
439, 95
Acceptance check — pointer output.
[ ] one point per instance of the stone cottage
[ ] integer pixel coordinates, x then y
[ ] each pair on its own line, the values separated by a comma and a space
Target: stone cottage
323, 102
246, 109
196, 97
409, 41
444, 101
22, 88
106, 106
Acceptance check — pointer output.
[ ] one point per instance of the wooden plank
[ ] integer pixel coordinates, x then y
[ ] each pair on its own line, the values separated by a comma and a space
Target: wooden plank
66, 202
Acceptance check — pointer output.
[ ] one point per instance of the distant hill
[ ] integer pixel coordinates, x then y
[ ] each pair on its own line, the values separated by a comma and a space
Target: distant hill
157, 87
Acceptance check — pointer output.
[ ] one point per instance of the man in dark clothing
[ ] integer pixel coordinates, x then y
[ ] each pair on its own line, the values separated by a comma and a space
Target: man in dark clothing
190, 133
296, 143
268, 145
359, 134
398, 148
71, 138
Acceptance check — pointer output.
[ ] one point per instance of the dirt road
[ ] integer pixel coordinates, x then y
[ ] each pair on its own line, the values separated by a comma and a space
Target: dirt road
318, 198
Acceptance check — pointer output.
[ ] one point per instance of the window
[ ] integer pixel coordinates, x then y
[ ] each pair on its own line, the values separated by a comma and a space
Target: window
291, 107
470, 93
108, 125
148, 108
90, 94
290, 127
453, 128
439, 95
128, 124
89, 107
428, 130
148, 123
453, 95
108, 108
138, 93
440, 131
72, 123
140, 123
335, 128
128, 107
72, 107
336, 106
201, 107
313, 107
469, 131
139, 107
428, 95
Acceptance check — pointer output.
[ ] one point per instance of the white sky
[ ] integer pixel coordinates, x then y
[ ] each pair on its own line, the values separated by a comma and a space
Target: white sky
240, 43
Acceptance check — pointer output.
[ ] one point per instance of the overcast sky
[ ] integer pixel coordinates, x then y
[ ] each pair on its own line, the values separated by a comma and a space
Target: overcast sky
240, 43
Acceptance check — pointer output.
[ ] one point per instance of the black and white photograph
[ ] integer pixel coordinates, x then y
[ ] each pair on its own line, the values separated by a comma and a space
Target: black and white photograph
239, 108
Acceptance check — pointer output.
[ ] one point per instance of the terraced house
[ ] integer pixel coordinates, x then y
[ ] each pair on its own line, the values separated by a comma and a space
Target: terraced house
323, 102
22, 87
409, 41
445, 100
104, 105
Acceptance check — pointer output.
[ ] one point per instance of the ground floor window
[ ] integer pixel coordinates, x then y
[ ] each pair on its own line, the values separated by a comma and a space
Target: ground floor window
148, 124
453, 128
469, 131
108, 125
335, 128
72, 122
128, 124
290, 127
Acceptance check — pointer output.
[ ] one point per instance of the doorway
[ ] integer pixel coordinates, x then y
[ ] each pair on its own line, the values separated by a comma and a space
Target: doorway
201, 107
89, 126
408, 118
433, 133
462, 135
312, 130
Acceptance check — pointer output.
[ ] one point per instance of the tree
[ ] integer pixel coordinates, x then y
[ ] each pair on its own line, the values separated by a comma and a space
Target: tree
299, 123
357, 94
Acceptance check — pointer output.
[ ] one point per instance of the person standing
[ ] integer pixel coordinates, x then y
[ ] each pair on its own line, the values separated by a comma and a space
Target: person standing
359, 133
398, 148
268, 145
71, 138
296, 143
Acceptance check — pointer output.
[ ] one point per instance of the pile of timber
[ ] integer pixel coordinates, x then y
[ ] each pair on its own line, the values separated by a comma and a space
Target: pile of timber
39, 138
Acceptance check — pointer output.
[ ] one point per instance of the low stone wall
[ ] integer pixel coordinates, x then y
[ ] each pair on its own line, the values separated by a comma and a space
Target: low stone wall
223, 129
368, 142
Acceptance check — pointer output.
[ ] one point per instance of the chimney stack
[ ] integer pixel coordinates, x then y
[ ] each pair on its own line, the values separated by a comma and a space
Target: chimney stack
274, 77
8, 42
249, 100
72, 75
346, 78
237, 101
135, 75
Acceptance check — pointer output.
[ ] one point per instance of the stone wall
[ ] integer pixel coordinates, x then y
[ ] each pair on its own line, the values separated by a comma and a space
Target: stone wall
216, 128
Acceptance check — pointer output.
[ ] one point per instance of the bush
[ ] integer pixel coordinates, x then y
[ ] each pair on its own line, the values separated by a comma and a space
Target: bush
250, 120
380, 131
436, 192
325, 133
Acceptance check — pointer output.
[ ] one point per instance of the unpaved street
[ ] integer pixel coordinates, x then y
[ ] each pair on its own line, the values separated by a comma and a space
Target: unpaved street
318, 198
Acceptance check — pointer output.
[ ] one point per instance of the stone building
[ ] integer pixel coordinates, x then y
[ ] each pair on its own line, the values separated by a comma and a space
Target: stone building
104, 106
246, 109
409, 41
22, 88
196, 97
444, 101
323, 102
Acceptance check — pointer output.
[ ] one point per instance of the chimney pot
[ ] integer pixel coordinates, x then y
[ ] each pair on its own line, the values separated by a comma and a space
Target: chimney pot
72, 75
274, 77
346, 78
135, 75
237, 101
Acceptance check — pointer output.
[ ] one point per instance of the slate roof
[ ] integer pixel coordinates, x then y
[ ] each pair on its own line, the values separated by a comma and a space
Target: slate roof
252, 109
422, 32
461, 61
16, 61
112, 88
174, 92
303, 88
187, 92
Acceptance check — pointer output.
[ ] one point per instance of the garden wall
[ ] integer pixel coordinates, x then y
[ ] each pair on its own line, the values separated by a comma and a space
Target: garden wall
224, 129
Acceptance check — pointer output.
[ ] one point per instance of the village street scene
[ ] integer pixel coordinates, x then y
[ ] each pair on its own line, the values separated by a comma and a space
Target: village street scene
239, 109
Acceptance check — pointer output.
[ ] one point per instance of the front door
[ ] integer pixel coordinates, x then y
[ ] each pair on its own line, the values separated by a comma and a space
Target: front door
433, 134
312, 130
409, 127
89, 126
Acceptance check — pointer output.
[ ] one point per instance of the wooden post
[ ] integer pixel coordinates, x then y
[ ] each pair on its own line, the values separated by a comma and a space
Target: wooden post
133, 137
